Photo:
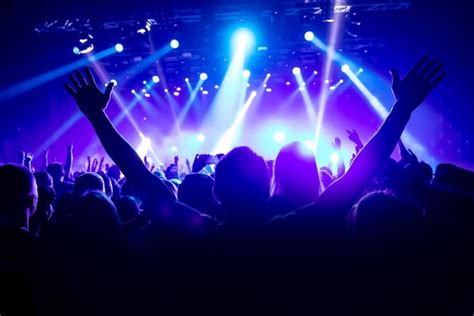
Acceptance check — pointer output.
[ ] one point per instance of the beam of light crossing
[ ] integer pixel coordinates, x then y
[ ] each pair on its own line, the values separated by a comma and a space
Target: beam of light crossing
51, 75
187, 106
330, 56
306, 98
227, 140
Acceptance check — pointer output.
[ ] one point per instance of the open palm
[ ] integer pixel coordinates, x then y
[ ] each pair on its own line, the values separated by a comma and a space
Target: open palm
86, 93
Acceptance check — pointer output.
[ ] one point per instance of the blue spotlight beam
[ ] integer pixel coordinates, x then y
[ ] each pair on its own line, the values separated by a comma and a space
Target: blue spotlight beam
184, 112
50, 75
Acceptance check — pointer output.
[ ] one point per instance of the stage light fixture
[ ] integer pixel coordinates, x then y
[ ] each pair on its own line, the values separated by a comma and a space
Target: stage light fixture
174, 43
118, 47
203, 76
246, 73
309, 36
345, 68
296, 71
176, 94
155, 79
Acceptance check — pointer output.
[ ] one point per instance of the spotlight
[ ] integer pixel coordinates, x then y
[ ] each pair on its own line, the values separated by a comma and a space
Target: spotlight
147, 95
144, 82
309, 36
334, 157
242, 38
246, 73
216, 86
287, 83
279, 137
361, 70
326, 81
269, 75
205, 92
155, 79
315, 72
178, 89
345, 68
203, 76
76, 50
174, 149
200, 138
296, 71
176, 94
186, 79
174, 43
268, 89
311, 145
143, 90
166, 90
114, 81
133, 91
341, 81
118, 48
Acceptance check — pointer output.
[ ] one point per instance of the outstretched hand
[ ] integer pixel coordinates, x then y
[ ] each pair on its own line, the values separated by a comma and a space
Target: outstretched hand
412, 90
354, 136
336, 144
87, 95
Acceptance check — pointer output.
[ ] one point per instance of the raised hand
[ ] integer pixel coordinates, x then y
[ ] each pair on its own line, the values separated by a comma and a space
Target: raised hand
101, 163
336, 144
70, 148
95, 163
145, 161
89, 165
412, 90
354, 136
87, 95
407, 155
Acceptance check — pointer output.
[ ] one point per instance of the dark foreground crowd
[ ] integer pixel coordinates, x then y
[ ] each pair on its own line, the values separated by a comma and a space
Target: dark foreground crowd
383, 237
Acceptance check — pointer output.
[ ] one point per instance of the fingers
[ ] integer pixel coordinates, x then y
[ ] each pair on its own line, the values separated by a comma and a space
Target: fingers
395, 76
418, 65
81, 78
437, 80
109, 88
70, 90
89, 76
74, 82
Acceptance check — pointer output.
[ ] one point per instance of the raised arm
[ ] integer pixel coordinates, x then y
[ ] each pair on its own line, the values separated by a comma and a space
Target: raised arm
69, 162
92, 103
409, 92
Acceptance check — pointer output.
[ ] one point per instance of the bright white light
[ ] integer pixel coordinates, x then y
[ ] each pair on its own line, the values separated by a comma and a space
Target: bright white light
296, 71
178, 88
155, 79
309, 36
345, 68
176, 94
76, 50
133, 91
216, 86
143, 90
203, 76
186, 79
144, 147
268, 89
114, 81
269, 75
315, 72
242, 39
310, 144
141, 31
118, 48
200, 138
174, 149
205, 92
147, 95
145, 82
166, 90
174, 43
279, 137
334, 157
246, 73
341, 80
361, 70
288, 83
326, 81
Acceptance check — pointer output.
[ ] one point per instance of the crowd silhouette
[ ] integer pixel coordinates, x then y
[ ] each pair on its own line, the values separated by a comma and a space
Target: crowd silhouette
249, 236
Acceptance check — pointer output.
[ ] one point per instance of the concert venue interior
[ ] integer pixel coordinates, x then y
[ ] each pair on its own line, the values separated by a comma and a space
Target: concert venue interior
251, 157
182, 114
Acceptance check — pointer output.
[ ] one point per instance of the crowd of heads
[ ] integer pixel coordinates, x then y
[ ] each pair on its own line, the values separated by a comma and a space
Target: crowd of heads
234, 229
